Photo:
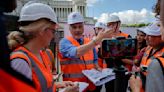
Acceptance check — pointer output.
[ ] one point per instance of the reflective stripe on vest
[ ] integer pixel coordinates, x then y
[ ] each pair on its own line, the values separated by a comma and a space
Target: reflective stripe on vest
49, 55
76, 61
39, 74
79, 75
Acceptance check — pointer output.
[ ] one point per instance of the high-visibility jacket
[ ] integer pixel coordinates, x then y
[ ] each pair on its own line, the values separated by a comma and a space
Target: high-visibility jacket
72, 67
8, 83
41, 71
147, 57
124, 35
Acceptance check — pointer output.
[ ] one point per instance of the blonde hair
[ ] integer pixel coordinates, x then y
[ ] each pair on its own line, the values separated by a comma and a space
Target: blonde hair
27, 33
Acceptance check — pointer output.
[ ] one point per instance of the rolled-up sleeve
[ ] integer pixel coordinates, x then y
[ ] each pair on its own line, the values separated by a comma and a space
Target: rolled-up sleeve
67, 49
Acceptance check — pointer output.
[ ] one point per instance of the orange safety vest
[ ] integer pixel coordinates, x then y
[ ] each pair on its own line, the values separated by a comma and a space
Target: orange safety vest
8, 83
41, 72
123, 35
146, 59
72, 67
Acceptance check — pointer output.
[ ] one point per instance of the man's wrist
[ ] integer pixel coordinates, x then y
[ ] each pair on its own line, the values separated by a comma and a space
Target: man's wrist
96, 41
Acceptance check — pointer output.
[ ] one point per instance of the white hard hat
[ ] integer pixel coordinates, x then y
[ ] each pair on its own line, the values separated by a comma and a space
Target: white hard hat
75, 17
35, 11
141, 29
100, 25
152, 29
112, 18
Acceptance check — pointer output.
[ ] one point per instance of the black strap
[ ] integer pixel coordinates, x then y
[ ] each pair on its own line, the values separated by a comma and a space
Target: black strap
160, 62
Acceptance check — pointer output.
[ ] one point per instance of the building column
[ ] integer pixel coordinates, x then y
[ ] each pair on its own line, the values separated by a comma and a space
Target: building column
57, 12
64, 11
67, 12
84, 10
61, 15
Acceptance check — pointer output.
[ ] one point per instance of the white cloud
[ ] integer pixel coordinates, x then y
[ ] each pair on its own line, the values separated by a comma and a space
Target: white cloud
131, 16
103, 17
91, 2
95, 18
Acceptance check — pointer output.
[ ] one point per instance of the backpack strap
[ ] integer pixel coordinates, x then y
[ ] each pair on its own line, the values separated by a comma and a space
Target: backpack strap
161, 65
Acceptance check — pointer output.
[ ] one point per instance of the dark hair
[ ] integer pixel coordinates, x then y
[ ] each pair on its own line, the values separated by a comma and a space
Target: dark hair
156, 8
143, 44
25, 23
7, 5
141, 31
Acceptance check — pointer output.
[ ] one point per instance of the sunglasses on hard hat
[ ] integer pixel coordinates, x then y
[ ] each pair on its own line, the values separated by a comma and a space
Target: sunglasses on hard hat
98, 28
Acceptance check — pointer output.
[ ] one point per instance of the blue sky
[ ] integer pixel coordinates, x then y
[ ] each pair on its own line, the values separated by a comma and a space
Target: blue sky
129, 8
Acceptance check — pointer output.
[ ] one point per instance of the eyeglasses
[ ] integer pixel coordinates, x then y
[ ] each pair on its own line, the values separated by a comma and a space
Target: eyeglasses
50, 29
97, 29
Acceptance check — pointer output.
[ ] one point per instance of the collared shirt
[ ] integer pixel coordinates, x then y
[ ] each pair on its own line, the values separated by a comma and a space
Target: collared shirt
67, 49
